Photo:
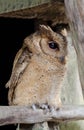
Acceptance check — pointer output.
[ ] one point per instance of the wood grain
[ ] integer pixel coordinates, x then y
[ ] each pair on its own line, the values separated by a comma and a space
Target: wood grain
23, 114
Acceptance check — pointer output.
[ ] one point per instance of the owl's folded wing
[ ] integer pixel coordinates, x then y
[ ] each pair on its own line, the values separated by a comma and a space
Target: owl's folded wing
20, 63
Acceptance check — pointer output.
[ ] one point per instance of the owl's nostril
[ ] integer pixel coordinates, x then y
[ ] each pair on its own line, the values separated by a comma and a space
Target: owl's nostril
53, 45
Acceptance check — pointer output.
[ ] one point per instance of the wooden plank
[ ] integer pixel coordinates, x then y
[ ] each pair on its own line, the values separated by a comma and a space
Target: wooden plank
75, 14
44, 10
23, 114
13, 5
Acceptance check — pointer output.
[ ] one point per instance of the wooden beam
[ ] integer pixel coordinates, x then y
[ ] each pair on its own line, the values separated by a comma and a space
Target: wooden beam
23, 114
14, 5
45, 10
75, 15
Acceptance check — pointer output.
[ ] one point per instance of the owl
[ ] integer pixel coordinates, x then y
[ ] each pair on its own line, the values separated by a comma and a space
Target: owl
39, 69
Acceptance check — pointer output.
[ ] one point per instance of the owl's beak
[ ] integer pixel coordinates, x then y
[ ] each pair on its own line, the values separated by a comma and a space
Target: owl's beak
62, 59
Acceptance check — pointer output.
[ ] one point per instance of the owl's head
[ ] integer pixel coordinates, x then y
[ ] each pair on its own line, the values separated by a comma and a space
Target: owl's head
47, 42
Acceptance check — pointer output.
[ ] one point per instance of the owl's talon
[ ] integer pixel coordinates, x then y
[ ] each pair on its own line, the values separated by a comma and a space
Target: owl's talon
53, 108
34, 107
44, 106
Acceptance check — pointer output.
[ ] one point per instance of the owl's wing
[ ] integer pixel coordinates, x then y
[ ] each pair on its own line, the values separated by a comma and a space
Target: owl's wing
20, 63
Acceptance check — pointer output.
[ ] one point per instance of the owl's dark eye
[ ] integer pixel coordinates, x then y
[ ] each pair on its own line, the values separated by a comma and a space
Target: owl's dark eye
53, 45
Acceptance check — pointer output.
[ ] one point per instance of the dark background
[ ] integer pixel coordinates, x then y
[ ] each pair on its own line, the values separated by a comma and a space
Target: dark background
12, 33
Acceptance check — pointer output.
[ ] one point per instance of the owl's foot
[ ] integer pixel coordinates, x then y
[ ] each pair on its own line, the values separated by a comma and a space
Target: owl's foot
49, 107
55, 106
44, 106
34, 107
39, 106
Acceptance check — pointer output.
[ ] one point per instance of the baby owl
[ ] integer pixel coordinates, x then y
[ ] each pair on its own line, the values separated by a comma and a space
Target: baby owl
38, 70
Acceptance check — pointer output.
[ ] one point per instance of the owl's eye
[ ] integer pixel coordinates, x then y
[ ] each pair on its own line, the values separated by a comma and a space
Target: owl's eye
53, 45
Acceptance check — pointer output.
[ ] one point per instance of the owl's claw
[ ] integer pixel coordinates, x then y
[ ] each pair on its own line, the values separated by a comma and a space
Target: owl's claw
34, 107
53, 108
40, 106
44, 106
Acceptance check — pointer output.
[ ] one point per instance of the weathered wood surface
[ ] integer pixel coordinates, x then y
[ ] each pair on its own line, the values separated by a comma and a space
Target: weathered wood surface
21, 114
50, 10
13, 5
75, 14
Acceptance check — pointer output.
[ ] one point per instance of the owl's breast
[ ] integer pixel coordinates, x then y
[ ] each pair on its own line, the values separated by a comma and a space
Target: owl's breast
38, 83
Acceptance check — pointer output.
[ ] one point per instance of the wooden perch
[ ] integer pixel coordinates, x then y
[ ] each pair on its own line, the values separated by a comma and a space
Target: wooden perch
23, 114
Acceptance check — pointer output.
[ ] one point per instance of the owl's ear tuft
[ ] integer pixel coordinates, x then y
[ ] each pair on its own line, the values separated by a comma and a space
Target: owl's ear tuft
64, 32
43, 27
45, 30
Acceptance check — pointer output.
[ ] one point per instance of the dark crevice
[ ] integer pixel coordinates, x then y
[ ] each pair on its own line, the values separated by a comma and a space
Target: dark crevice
12, 33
